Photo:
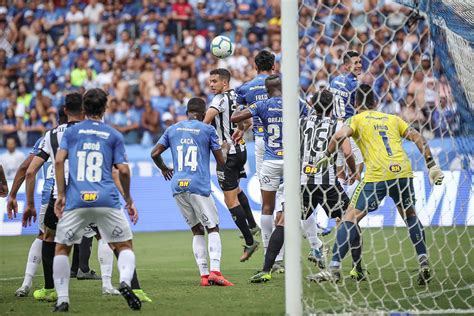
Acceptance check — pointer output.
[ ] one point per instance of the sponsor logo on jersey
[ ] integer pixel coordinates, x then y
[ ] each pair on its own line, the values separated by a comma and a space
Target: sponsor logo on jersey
260, 129
395, 167
184, 183
280, 153
310, 170
89, 196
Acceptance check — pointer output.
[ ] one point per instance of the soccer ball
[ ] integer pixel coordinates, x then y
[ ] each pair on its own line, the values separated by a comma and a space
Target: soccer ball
222, 47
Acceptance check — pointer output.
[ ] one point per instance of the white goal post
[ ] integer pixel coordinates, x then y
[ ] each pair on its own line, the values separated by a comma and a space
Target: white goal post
291, 143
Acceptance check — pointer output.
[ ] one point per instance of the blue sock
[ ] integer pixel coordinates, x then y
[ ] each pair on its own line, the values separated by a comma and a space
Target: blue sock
346, 234
417, 234
356, 250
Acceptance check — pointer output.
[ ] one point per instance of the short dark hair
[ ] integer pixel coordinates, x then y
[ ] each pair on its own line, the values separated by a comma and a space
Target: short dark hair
73, 103
264, 60
62, 117
223, 74
347, 56
196, 105
322, 102
365, 97
95, 102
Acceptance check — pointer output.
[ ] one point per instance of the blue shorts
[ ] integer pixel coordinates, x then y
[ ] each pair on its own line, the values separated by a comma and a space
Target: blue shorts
368, 195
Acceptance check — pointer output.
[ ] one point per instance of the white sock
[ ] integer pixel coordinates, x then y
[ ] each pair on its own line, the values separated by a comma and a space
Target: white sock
106, 259
126, 265
200, 253
281, 254
61, 278
311, 231
266, 224
215, 251
34, 259
351, 188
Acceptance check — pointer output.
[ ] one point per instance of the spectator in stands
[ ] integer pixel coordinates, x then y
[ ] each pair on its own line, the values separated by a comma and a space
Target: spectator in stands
150, 122
127, 122
34, 128
12, 159
10, 126
444, 119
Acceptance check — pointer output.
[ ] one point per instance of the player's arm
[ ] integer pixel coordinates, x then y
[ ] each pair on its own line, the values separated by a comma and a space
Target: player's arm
158, 160
240, 115
336, 141
3, 185
219, 157
435, 173
124, 176
12, 205
30, 181
61, 157
116, 178
211, 113
349, 157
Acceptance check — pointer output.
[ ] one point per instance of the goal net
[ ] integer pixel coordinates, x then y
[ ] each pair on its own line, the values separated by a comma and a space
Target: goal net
418, 58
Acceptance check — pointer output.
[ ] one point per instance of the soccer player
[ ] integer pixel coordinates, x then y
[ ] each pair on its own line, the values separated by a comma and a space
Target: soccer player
247, 94
34, 254
190, 143
389, 173
321, 188
48, 148
219, 113
93, 148
344, 88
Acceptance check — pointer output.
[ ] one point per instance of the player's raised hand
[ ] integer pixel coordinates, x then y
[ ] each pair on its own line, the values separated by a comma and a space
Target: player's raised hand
132, 211
436, 175
28, 214
59, 206
12, 207
167, 173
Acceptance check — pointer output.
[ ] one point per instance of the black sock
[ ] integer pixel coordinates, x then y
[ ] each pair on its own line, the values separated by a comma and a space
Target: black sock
248, 211
47, 255
238, 215
85, 248
274, 247
75, 259
134, 284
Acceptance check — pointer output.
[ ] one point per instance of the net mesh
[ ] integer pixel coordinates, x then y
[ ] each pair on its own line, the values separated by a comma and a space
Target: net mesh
411, 69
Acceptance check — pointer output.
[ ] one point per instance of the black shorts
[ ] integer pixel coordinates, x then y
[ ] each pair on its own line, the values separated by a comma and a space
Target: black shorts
332, 198
234, 169
50, 219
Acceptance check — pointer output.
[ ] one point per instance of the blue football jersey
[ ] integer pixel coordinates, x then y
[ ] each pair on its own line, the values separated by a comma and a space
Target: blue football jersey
271, 113
93, 148
344, 88
191, 143
251, 92
48, 174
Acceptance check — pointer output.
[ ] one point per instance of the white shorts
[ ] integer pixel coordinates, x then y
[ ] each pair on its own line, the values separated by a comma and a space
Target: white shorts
113, 225
259, 152
280, 199
197, 209
271, 175
340, 161
41, 217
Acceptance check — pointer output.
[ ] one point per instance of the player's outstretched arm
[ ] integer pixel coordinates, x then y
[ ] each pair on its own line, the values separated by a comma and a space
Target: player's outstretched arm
30, 211
124, 175
349, 157
3, 185
435, 173
240, 115
12, 205
158, 160
60, 182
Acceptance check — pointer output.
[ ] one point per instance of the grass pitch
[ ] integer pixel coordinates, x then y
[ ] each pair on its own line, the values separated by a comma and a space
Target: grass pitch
168, 274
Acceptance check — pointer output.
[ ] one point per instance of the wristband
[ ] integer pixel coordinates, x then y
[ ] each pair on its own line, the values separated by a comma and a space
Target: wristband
430, 162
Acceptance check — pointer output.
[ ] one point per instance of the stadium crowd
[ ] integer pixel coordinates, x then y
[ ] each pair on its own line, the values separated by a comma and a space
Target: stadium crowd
152, 56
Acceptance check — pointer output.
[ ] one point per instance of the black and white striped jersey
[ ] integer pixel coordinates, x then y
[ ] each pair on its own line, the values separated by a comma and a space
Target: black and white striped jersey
315, 133
49, 147
225, 103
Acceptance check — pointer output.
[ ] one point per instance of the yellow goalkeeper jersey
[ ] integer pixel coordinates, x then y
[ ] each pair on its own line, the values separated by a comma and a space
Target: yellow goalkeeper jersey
379, 137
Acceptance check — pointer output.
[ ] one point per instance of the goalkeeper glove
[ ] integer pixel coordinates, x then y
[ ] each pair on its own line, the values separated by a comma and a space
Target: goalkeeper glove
435, 173
324, 161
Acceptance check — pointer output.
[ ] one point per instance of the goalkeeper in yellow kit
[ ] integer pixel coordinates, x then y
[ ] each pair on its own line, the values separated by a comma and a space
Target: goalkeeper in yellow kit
388, 173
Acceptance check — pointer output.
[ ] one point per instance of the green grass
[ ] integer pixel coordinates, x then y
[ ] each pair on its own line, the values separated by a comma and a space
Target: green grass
168, 273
